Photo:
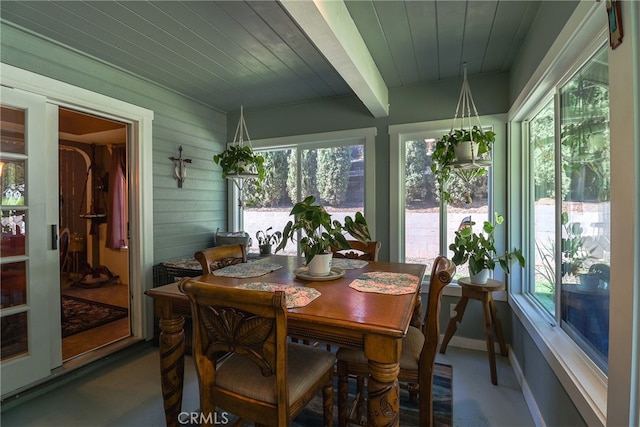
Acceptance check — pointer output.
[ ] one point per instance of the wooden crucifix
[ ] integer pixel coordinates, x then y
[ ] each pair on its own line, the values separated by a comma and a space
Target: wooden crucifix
180, 168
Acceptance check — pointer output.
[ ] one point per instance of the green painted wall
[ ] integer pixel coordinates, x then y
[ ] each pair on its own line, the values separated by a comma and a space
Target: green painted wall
184, 219
554, 405
551, 18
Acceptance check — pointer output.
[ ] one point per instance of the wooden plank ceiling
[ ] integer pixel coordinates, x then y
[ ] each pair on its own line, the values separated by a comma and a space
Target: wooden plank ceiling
266, 53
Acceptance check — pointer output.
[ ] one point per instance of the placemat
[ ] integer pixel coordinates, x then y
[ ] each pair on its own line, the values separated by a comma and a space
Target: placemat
247, 269
348, 264
386, 283
296, 296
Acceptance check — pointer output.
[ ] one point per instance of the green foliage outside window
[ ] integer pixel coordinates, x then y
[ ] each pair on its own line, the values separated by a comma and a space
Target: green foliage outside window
333, 174
272, 192
309, 171
419, 184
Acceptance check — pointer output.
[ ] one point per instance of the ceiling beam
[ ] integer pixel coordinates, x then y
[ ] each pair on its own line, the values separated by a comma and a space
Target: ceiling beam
329, 26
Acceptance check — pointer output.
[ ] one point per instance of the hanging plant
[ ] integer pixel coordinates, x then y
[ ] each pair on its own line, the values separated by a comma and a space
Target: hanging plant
240, 160
448, 153
444, 160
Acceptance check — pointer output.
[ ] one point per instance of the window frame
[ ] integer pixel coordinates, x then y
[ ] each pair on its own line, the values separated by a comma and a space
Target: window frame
361, 136
584, 382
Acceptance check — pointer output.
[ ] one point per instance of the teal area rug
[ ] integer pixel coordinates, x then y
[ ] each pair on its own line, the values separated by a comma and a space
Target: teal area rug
409, 413
79, 314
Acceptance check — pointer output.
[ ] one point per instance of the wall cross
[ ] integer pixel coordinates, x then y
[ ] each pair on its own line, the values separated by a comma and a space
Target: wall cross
180, 169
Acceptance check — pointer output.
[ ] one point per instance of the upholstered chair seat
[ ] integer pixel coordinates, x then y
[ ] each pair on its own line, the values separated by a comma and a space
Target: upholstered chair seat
240, 375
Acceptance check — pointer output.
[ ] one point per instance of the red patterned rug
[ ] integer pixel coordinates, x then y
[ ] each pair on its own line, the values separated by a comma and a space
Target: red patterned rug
79, 315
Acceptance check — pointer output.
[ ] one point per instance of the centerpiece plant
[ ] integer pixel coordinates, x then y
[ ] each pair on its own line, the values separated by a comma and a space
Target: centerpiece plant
320, 232
480, 251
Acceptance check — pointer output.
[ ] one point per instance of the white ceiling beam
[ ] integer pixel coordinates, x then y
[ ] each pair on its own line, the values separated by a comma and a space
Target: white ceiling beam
329, 26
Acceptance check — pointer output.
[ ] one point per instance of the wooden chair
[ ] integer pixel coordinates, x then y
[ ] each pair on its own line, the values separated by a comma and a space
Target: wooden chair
365, 251
220, 256
418, 355
264, 378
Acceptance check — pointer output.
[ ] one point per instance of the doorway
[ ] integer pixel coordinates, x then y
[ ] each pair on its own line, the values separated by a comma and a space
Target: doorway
93, 218
37, 318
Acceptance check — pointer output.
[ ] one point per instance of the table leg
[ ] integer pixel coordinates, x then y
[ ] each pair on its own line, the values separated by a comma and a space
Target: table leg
383, 403
453, 323
172, 366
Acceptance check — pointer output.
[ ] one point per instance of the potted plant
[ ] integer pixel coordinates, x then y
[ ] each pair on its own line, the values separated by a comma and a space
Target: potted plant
577, 254
266, 240
320, 233
479, 249
240, 160
456, 148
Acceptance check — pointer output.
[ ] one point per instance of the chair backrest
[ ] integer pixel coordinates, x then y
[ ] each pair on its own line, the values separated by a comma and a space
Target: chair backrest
441, 275
249, 323
359, 250
220, 256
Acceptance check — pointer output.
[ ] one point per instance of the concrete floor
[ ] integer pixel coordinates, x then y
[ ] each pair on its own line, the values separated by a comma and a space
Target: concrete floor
126, 391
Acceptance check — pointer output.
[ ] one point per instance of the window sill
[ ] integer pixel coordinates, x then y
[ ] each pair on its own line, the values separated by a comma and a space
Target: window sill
584, 383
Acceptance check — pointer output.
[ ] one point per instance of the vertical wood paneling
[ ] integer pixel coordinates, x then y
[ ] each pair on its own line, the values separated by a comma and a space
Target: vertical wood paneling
184, 219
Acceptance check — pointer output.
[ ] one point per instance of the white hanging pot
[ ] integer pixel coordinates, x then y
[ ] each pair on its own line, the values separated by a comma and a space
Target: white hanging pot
320, 265
479, 278
464, 153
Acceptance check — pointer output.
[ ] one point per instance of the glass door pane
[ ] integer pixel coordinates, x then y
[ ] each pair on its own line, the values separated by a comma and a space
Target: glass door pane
25, 288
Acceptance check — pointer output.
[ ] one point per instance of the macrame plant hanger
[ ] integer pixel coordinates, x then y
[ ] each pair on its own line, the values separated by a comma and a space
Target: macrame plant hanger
240, 179
468, 170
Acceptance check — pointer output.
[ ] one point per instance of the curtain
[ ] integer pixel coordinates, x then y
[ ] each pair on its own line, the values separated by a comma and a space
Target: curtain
117, 202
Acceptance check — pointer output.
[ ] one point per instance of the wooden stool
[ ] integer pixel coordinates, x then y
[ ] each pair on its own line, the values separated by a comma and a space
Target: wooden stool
483, 293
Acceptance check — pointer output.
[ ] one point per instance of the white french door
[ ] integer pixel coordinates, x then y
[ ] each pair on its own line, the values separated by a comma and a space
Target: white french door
29, 281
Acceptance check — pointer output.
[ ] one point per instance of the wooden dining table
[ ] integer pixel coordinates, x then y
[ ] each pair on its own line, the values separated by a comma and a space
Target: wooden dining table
341, 316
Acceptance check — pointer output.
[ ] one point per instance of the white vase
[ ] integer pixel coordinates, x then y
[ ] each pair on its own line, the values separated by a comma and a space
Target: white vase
479, 278
320, 265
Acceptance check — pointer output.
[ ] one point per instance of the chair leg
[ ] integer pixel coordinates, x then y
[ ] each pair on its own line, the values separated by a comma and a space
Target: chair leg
361, 404
343, 392
413, 390
327, 404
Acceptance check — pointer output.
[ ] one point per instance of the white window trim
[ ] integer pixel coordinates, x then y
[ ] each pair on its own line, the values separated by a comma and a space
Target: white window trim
585, 384
364, 136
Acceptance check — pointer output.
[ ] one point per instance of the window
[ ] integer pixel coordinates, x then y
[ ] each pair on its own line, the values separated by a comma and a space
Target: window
569, 148
332, 167
425, 226
423, 210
